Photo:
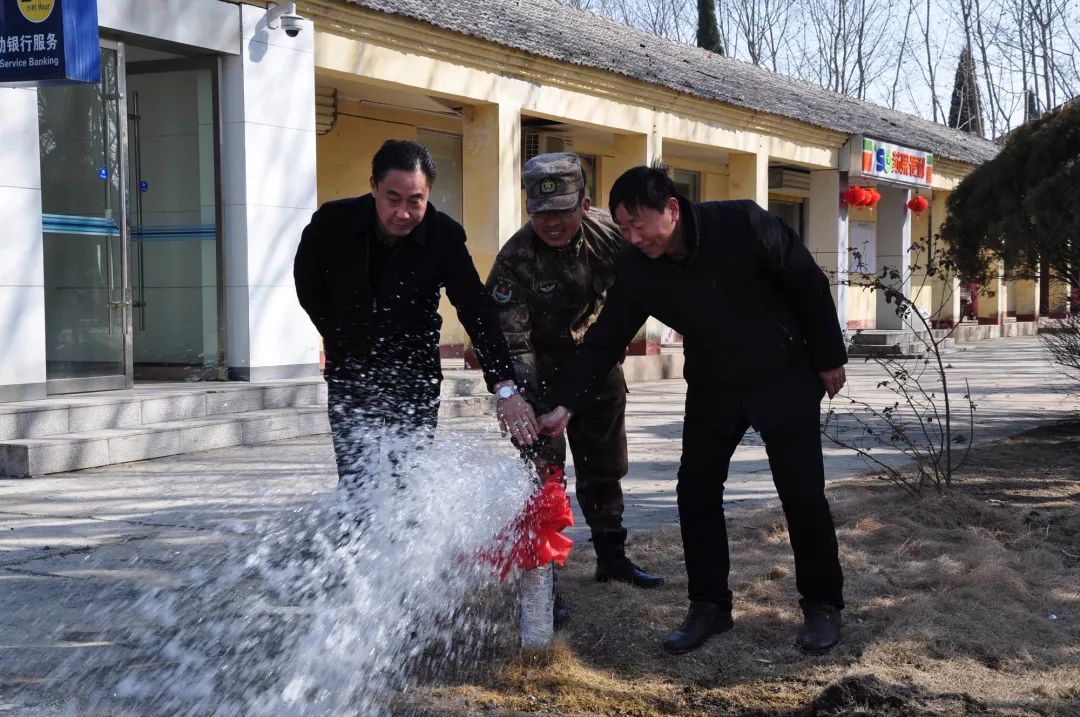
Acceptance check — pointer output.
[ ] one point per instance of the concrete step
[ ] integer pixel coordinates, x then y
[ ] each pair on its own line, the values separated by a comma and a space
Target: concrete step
906, 349
981, 332
156, 420
90, 449
463, 382
152, 404
889, 337
460, 406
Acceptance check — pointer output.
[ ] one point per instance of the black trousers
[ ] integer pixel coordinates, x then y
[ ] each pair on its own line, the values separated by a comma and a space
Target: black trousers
366, 410
787, 415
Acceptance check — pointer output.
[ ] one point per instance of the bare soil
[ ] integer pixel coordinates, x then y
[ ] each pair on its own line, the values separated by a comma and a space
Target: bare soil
959, 604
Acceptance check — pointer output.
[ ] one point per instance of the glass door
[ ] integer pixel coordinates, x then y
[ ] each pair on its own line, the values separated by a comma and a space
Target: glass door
174, 219
83, 180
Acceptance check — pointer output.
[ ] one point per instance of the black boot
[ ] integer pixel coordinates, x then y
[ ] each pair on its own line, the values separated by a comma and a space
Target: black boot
623, 570
703, 620
612, 563
821, 629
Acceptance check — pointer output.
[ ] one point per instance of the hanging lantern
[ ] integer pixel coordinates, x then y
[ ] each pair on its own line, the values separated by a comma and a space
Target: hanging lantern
918, 204
856, 196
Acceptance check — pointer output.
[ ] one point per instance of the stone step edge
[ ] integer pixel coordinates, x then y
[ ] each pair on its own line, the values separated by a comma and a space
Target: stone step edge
202, 421
94, 449
309, 420
129, 411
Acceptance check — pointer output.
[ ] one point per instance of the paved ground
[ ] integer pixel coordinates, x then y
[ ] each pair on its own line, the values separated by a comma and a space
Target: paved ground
63, 536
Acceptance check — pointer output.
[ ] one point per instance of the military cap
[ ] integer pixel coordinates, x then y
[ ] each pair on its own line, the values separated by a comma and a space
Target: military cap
552, 182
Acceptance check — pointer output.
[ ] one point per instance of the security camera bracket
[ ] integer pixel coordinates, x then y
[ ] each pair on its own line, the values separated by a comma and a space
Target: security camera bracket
274, 13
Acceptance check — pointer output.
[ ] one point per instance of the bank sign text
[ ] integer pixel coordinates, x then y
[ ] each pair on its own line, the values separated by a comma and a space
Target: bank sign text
48, 42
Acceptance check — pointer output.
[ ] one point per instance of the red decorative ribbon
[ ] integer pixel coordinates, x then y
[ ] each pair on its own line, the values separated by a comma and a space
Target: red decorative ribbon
537, 533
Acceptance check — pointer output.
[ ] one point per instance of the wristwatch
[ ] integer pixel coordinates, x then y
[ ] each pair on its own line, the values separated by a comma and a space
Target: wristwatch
508, 391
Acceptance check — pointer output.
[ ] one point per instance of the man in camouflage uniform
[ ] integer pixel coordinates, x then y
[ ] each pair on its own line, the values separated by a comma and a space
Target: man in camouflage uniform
549, 282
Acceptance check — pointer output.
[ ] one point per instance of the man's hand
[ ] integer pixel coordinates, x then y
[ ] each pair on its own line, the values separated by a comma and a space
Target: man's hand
554, 423
516, 417
834, 380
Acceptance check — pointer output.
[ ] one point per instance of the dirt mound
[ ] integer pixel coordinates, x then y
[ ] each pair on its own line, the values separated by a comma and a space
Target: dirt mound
867, 696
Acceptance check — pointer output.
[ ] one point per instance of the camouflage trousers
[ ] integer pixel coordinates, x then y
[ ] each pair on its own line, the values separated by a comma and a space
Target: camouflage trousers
597, 437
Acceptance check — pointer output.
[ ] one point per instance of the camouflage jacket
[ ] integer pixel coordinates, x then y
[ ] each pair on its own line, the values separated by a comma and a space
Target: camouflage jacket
548, 298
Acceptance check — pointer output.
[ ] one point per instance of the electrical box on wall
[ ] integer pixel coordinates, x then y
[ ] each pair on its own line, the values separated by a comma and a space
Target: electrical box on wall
544, 143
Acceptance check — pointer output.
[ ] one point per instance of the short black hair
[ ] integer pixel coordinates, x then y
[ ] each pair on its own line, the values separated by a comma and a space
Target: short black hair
644, 186
404, 155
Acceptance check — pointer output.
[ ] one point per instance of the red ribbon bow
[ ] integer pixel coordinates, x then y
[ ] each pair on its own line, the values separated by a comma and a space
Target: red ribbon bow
537, 533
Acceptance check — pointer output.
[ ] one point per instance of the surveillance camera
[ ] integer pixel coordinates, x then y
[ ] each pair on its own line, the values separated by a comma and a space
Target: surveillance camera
283, 15
292, 24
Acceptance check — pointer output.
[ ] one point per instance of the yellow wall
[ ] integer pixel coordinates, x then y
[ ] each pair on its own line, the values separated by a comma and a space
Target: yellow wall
344, 155
713, 176
922, 289
497, 85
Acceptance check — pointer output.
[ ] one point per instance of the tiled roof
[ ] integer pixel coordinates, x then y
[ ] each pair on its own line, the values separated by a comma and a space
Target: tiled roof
550, 29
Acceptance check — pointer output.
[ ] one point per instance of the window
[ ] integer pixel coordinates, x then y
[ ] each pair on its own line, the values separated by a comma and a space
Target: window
445, 149
588, 163
792, 213
688, 184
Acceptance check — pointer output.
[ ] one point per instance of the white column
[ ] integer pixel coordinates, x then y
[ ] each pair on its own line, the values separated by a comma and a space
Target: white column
269, 194
827, 233
22, 261
491, 172
893, 250
748, 177
634, 150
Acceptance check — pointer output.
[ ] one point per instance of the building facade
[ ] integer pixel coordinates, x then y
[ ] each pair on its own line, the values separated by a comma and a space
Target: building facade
151, 220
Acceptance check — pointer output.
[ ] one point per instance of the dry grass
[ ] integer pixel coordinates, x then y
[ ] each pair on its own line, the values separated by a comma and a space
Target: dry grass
961, 604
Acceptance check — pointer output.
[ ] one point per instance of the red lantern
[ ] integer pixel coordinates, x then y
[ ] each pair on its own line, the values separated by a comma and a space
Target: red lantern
856, 196
918, 204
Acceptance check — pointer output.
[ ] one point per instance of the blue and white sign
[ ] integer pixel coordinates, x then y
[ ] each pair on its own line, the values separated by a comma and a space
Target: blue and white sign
48, 42
103, 173
144, 186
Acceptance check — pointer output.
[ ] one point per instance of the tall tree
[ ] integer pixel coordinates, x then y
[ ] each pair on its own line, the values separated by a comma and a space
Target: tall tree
1031, 106
708, 34
1020, 208
965, 113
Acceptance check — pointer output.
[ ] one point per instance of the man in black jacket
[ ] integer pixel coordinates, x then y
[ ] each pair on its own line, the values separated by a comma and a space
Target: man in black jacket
762, 345
368, 272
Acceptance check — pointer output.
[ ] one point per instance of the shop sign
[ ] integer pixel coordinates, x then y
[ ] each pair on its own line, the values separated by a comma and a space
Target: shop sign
892, 163
48, 42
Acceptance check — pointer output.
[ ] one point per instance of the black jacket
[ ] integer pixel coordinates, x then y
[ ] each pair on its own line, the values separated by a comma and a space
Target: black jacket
750, 301
392, 327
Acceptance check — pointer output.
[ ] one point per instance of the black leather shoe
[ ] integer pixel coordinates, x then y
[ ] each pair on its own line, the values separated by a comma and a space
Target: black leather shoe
703, 620
561, 613
821, 629
624, 571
